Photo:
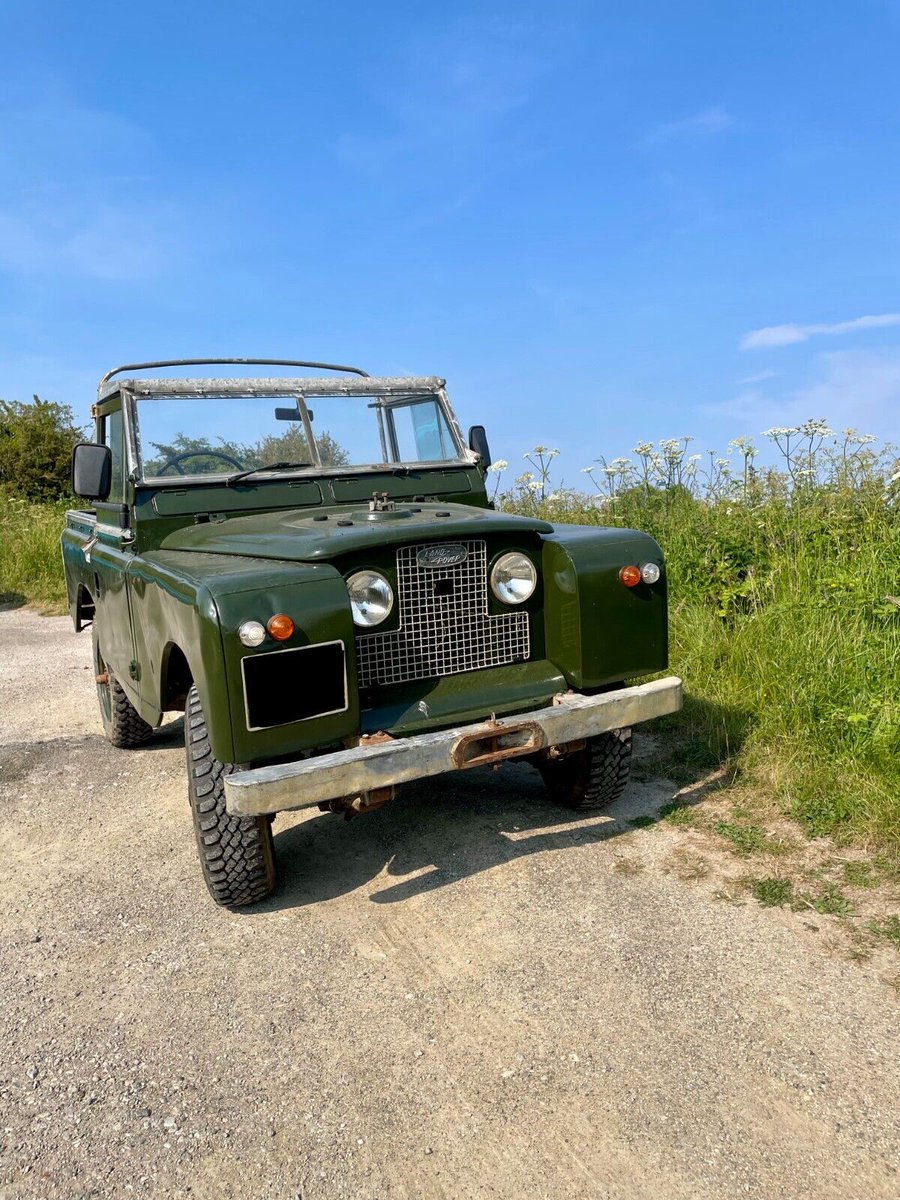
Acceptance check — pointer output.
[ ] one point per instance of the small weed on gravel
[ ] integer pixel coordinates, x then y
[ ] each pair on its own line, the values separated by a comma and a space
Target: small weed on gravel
687, 865
888, 928
679, 814
643, 822
859, 874
772, 892
830, 901
628, 866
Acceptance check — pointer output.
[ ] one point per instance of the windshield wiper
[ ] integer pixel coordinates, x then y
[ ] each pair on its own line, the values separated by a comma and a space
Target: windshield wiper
276, 466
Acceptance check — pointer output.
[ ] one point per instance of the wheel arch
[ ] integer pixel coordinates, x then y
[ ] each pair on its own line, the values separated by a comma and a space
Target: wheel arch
84, 609
175, 678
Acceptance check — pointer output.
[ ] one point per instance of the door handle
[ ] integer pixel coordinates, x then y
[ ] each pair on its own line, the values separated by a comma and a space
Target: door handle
88, 547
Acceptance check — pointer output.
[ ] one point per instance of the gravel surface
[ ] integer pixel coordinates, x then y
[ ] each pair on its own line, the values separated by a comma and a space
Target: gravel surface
465, 994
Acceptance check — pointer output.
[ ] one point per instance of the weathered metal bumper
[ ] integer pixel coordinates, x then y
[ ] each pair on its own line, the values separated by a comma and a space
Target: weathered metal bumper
381, 764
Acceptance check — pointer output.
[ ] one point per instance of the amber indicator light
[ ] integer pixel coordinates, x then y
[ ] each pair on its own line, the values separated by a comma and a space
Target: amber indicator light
281, 627
630, 576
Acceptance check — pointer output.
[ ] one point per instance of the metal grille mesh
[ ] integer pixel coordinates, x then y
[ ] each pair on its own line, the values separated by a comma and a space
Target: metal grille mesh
445, 627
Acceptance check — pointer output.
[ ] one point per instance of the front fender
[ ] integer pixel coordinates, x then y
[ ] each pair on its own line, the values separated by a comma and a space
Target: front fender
599, 631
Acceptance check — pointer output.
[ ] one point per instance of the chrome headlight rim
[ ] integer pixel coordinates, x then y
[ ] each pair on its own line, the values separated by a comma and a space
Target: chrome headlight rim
359, 582
528, 575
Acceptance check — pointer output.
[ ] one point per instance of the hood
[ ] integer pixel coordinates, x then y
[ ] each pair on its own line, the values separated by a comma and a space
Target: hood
310, 535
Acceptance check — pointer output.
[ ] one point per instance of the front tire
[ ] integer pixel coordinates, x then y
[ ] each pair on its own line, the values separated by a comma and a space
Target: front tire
593, 777
236, 853
122, 723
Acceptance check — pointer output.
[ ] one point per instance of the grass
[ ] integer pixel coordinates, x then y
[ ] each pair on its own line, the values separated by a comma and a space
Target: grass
785, 626
30, 559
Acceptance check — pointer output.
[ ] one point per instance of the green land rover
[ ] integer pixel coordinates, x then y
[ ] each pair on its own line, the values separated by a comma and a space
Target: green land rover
309, 567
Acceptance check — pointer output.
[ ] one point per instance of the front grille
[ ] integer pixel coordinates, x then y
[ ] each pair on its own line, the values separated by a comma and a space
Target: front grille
445, 627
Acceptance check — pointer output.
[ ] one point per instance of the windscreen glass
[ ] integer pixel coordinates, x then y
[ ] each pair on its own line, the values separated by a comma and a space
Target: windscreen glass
219, 435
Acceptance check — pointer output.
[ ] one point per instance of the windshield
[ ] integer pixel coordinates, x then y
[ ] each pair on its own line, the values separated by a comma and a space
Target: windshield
217, 435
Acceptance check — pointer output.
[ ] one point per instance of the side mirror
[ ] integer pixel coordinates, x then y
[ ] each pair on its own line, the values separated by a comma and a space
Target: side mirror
479, 443
91, 471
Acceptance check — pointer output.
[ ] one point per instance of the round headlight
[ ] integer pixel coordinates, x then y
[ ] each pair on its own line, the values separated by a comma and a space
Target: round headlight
371, 598
252, 633
513, 578
650, 573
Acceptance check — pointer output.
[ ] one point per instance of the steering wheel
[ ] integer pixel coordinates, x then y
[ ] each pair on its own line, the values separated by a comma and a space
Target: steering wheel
177, 459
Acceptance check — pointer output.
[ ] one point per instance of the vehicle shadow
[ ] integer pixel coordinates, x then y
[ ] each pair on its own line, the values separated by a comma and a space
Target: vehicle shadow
438, 831
698, 745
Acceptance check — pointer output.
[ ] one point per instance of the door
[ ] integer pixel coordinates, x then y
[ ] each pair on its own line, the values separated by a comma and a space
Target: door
110, 556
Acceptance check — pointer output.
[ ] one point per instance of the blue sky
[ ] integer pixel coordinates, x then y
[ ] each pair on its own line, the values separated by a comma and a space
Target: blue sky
601, 222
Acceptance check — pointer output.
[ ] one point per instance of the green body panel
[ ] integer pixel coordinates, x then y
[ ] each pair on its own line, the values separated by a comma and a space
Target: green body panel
598, 631
456, 699
306, 537
201, 558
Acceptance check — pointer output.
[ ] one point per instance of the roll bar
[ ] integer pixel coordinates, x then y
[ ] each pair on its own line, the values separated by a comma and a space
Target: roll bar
220, 362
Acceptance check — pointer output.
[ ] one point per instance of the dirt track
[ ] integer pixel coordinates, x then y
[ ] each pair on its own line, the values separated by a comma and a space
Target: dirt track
462, 995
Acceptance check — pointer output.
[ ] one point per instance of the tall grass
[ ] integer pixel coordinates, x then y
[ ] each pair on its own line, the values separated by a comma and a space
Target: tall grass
784, 612
30, 559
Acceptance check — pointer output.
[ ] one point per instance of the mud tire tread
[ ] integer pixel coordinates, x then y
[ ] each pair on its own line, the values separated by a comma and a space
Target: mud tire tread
236, 853
594, 777
124, 726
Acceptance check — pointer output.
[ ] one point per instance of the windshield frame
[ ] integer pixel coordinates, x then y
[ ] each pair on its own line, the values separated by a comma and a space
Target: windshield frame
387, 393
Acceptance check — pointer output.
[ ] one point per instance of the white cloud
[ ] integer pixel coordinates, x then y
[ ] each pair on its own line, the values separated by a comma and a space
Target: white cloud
707, 121
759, 377
789, 335
850, 387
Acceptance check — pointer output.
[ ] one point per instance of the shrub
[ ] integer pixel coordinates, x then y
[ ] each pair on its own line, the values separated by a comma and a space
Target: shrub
36, 443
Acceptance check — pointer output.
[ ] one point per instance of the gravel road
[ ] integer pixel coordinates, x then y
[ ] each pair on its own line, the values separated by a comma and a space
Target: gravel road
465, 994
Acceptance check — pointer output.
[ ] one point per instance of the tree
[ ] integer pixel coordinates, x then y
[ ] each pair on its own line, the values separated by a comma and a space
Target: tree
198, 448
36, 443
286, 447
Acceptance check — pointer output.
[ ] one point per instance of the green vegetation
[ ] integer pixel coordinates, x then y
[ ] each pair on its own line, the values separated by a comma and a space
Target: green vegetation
783, 586
888, 928
30, 558
772, 892
36, 443
777, 892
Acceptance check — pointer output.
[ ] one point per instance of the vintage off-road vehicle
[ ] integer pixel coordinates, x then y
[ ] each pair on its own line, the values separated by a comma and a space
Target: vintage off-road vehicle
310, 569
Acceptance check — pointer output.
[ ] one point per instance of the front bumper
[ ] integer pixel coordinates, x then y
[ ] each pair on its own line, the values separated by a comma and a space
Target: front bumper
381, 764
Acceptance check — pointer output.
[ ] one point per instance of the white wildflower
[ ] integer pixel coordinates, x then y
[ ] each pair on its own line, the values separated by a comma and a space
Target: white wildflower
778, 431
500, 465
816, 428
643, 448
534, 486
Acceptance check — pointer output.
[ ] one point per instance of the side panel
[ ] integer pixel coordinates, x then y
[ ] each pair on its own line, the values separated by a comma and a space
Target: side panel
599, 631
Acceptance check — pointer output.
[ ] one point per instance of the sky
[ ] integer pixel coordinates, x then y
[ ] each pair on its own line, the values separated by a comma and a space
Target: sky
602, 223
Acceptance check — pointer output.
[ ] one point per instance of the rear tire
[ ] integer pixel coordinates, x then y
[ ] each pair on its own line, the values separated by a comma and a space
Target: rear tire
122, 723
237, 854
593, 777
